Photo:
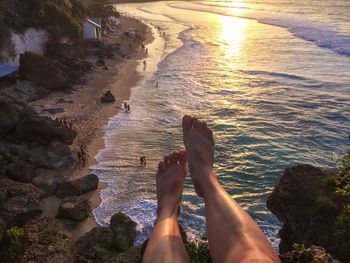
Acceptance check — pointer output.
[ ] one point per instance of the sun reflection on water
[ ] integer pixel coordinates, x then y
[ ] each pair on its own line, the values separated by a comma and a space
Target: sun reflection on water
233, 35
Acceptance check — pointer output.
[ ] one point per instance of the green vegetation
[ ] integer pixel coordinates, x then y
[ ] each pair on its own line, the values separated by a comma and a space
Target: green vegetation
58, 17
299, 247
198, 251
101, 8
341, 234
15, 236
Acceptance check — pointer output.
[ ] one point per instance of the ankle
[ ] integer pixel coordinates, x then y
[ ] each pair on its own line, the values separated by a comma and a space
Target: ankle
210, 186
167, 212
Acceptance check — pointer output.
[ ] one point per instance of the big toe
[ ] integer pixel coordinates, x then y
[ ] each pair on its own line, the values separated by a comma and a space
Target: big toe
186, 124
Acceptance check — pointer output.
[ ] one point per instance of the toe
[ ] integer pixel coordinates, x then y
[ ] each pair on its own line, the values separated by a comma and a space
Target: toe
186, 123
196, 124
174, 157
161, 167
166, 160
182, 158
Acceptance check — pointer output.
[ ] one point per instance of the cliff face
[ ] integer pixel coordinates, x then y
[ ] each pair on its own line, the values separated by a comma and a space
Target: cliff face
28, 25
306, 200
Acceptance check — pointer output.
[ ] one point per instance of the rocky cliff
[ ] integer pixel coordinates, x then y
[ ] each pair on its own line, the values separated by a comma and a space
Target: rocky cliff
308, 201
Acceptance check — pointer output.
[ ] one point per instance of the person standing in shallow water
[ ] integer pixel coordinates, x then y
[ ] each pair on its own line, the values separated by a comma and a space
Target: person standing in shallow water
233, 235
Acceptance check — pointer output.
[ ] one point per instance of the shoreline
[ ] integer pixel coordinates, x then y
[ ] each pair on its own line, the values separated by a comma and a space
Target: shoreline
93, 116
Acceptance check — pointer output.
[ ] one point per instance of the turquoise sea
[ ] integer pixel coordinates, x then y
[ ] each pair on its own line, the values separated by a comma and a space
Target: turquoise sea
272, 79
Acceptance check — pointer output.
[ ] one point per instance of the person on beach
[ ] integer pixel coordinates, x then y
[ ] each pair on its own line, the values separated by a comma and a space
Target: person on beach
233, 235
143, 161
144, 65
128, 108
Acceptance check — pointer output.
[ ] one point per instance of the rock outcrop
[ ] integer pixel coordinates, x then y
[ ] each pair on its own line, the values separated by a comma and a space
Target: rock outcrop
124, 230
105, 244
305, 201
46, 240
107, 97
20, 171
74, 208
8, 117
48, 181
42, 72
314, 254
22, 203
43, 130
78, 186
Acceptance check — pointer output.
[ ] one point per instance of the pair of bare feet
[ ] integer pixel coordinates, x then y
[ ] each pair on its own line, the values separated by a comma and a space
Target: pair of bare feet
199, 154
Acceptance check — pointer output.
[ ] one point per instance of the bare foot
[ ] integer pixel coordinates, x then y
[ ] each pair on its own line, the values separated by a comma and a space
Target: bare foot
199, 143
170, 179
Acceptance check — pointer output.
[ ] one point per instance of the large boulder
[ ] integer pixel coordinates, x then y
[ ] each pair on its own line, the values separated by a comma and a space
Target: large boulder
105, 244
42, 72
34, 128
314, 254
46, 240
8, 117
2, 229
48, 181
55, 155
21, 205
304, 199
78, 186
3, 190
20, 171
2, 167
124, 229
107, 97
74, 208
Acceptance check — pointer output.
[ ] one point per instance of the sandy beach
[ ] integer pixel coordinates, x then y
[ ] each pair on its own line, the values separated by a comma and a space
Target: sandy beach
89, 115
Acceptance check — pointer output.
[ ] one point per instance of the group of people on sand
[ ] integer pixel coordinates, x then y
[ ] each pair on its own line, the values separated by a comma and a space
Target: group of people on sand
233, 235
64, 122
126, 107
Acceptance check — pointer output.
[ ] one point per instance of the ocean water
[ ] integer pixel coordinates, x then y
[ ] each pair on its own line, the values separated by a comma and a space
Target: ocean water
272, 79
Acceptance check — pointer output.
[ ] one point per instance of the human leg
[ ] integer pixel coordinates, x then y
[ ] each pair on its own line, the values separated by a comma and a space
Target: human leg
233, 235
165, 243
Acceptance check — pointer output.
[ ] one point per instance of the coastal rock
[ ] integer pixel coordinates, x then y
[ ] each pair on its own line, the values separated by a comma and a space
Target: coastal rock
74, 208
78, 186
21, 205
314, 254
98, 239
132, 255
107, 97
2, 167
3, 190
304, 200
46, 240
2, 229
20, 171
87, 183
8, 117
124, 229
100, 62
55, 155
42, 72
48, 181
43, 130
102, 244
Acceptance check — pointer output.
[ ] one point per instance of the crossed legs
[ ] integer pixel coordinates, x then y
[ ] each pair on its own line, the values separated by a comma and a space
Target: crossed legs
233, 235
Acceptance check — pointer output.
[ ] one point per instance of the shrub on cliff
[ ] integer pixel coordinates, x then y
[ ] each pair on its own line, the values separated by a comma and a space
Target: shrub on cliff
198, 251
58, 16
15, 238
101, 8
